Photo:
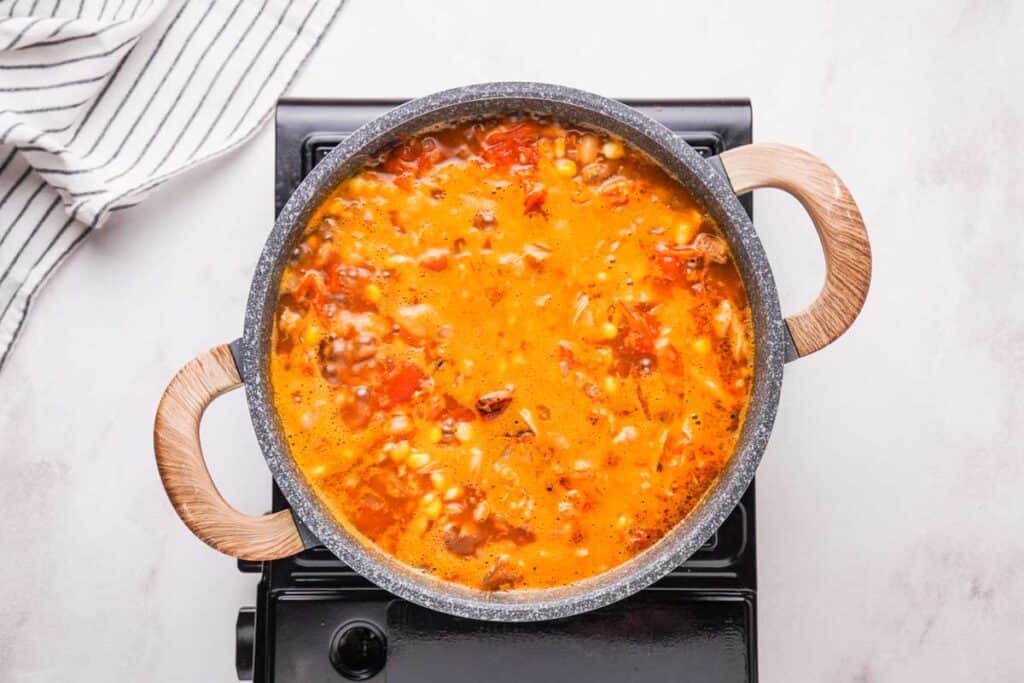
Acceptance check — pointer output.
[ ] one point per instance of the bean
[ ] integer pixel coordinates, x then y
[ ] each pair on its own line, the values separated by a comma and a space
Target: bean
476, 459
587, 149
493, 403
400, 424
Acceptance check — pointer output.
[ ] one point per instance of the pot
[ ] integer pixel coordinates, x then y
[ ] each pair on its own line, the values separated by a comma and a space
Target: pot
716, 182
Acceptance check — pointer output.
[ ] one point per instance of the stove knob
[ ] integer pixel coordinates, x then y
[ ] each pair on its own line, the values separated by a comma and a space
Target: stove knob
245, 643
358, 650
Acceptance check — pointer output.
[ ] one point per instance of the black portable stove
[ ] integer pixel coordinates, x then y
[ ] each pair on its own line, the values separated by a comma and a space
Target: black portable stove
317, 620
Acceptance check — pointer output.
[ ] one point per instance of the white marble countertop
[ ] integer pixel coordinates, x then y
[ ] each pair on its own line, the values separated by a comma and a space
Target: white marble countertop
891, 518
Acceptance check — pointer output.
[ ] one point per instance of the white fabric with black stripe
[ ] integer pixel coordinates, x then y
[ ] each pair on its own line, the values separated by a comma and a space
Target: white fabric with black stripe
103, 100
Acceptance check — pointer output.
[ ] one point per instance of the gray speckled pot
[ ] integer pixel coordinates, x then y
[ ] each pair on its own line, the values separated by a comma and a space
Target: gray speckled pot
680, 161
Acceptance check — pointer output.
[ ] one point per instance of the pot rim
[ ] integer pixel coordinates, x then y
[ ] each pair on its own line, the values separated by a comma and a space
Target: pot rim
683, 164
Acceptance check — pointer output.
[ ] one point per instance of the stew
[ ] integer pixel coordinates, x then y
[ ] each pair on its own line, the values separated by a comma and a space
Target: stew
511, 352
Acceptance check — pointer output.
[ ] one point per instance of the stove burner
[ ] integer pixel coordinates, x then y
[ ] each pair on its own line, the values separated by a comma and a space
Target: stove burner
317, 620
358, 650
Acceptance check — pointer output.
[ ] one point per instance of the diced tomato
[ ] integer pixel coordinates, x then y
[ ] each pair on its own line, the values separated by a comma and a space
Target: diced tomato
431, 155
671, 267
674, 263
310, 287
434, 259
403, 383
515, 144
331, 270
535, 199
311, 291
412, 159
394, 164
409, 151
404, 158
397, 219
641, 332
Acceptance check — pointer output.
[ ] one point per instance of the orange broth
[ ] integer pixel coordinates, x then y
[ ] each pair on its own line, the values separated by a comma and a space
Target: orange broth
512, 353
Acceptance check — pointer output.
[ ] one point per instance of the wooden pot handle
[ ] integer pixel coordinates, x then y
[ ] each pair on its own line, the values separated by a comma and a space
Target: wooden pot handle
179, 457
839, 225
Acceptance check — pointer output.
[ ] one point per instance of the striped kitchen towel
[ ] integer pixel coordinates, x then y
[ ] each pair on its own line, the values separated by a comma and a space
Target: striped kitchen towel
103, 100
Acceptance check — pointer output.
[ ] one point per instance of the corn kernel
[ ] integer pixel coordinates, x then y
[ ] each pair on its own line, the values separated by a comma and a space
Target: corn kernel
685, 232
432, 506
701, 345
358, 185
372, 292
435, 434
464, 432
612, 150
453, 492
437, 479
559, 147
609, 330
312, 335
610, 384
400, 451
418, 459
565, 167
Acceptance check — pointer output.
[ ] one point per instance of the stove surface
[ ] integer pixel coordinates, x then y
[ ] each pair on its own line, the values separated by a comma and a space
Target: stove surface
317, 620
